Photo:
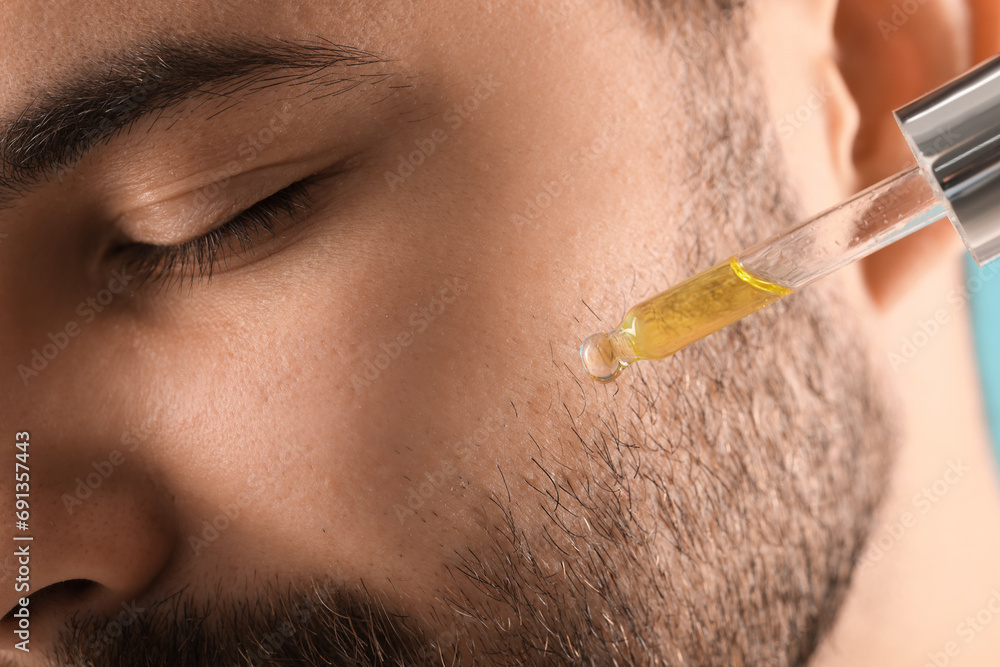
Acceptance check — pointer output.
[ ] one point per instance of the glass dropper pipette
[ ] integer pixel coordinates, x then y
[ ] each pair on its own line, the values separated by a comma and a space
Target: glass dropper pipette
745, 283
954, 133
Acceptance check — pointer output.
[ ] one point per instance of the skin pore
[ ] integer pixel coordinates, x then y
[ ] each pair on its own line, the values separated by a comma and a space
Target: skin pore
369, 439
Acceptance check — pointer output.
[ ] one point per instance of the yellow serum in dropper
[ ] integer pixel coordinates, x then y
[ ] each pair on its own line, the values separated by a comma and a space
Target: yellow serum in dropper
672, 320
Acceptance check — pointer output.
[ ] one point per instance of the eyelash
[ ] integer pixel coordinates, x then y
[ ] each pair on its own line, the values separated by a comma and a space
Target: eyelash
198, 258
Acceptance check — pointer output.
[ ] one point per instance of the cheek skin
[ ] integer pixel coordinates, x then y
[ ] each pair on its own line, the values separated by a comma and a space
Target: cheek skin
261, 383
388, 465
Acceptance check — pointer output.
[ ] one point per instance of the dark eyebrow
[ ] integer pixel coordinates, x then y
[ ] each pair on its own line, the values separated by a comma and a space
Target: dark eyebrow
68, 118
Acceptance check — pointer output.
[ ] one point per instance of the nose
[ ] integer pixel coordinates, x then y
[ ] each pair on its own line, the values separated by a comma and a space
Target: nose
86, 533
95, 531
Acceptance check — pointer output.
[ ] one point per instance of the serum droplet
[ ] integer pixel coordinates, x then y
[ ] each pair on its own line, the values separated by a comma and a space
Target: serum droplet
605, 355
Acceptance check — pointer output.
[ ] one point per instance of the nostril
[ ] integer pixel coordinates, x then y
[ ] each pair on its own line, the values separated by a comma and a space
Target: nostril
55, 598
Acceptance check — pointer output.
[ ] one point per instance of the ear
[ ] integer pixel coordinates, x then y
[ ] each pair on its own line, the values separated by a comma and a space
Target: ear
891, 52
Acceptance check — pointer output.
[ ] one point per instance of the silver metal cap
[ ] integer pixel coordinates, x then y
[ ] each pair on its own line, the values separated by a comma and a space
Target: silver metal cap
954, 132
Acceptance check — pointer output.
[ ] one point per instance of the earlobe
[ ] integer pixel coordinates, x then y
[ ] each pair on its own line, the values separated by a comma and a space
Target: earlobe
892, 52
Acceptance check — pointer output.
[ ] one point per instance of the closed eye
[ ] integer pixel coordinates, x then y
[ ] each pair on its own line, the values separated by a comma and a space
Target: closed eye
238, 238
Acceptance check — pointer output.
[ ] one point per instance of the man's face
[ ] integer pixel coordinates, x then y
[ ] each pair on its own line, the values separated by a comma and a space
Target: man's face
354, 420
